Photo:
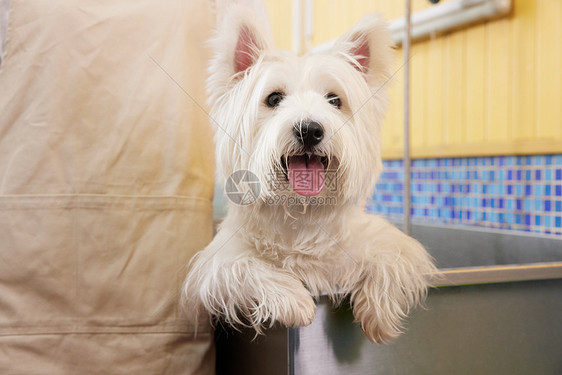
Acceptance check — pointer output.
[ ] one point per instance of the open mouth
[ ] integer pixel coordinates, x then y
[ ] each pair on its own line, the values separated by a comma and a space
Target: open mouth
306, 173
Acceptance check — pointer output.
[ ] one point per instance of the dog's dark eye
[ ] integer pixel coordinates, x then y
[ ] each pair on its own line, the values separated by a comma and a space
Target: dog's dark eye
274, 99
334, 100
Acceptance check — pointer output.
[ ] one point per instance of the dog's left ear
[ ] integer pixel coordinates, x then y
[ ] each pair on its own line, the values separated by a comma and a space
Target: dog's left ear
369, 49
249, 46
238, 44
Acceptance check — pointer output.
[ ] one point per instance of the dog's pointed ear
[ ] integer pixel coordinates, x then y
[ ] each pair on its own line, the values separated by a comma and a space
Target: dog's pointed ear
239, 42
248, 48
369, 49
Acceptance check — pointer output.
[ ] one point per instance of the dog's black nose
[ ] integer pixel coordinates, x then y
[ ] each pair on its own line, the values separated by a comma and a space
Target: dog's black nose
309, 133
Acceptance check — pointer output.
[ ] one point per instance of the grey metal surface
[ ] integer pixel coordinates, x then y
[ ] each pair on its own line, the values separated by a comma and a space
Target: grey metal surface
407, 197
513, 328
511, 323
498, 274
507, 328
471, 247
244, 353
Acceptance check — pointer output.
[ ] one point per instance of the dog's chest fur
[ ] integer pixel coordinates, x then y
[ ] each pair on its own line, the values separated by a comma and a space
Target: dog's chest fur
320, 258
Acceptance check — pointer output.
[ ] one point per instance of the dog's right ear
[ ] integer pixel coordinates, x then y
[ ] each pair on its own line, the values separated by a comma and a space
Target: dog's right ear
238, 45
367, 46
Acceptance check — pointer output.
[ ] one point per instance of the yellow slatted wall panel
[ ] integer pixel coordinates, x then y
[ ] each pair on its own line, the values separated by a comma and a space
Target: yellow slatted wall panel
454, 82
435, 135
280, 18
499, 82
491, 88
549, 71
419, 85
524, 68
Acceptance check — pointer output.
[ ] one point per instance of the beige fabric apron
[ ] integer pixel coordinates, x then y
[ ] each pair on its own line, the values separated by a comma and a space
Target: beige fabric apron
106, 181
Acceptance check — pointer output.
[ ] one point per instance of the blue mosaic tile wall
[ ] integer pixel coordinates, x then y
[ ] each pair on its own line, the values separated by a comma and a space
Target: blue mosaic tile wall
504, 192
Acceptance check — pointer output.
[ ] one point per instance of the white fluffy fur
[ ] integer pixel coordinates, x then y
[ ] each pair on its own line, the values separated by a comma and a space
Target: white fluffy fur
268, 260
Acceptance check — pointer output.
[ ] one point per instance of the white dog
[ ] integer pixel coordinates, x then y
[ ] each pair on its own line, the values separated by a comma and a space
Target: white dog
309, 128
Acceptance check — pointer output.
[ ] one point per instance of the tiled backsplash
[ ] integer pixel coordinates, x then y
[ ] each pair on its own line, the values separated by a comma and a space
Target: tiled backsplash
504, 192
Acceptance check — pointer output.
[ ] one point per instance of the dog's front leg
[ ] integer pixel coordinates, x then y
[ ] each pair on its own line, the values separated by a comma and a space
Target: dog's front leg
393, 279
229, 281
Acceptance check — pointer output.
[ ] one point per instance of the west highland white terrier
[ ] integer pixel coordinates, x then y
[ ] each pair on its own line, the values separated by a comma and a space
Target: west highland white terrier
304, 131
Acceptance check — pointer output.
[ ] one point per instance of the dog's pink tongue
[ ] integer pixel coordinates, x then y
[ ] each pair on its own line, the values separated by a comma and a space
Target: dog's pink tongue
306, 175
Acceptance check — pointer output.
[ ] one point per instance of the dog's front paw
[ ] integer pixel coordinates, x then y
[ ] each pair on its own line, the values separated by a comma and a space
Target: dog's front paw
391, 286
380, 314
248, 293
287, 302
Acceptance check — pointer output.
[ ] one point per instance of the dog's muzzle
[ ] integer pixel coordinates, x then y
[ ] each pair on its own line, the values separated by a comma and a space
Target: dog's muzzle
305, 168
308, 134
